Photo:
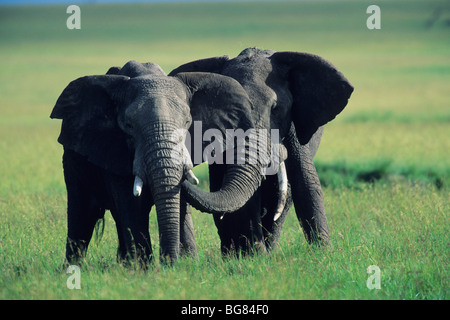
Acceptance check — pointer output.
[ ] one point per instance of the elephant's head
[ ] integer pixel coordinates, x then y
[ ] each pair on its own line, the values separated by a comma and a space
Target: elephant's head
283, 87
133, 121
287, 89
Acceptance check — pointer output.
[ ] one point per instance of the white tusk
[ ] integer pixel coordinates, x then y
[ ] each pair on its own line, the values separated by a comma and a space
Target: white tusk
187, 162
190, 176
283, 188
137, 187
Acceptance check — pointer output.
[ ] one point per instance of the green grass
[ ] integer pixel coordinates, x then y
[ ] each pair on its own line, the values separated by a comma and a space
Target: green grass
400, 228
383, 162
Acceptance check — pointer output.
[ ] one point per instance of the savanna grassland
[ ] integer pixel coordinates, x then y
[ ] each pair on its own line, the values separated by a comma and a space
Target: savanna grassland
384, 162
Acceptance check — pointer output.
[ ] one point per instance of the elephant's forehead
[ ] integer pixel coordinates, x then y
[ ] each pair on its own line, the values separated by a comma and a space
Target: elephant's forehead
251, 52
249, 69
159, 84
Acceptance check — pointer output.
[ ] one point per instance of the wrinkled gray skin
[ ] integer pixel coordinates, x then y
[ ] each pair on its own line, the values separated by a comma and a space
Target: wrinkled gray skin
296, 93
130, 123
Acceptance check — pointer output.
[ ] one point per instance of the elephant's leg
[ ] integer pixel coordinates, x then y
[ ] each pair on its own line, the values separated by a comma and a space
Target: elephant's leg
216, 174
82, 216
125, 249
131, 215
187, 238
272, 229
227, 226
306, 190
240, 231
255, 235
82, 209
236, 233
134, 238
134, 242
142, 238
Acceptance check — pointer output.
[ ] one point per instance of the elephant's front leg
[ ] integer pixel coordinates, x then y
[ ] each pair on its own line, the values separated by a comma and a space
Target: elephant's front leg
82, 216
134, 238
131, 215
269, 200
306, 189
241, 231
187, 238
82, 209
216, 174
256, 233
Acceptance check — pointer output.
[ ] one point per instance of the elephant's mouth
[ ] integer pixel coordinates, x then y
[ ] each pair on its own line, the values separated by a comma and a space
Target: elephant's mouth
188, 174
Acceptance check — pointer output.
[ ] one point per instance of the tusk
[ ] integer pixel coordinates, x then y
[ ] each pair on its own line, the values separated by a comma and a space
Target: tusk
187, 162
137, 187
190, 176
283, 187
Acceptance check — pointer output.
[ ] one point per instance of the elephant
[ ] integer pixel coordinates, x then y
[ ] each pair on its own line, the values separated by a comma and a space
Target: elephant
295, 94
123, 135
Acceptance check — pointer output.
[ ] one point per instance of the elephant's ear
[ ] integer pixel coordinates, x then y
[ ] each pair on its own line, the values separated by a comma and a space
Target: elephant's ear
218, 102
89, 124
214, 65
319, 90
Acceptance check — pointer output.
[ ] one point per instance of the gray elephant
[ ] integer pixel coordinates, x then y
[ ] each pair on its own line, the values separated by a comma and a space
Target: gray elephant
296, 94
123, 135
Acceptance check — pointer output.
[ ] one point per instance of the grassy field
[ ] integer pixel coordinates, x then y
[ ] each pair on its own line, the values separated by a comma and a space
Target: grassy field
384, 162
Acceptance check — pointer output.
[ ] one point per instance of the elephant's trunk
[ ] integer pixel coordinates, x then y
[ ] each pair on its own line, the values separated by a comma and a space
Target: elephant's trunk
239, 184
163, 172
167, 202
